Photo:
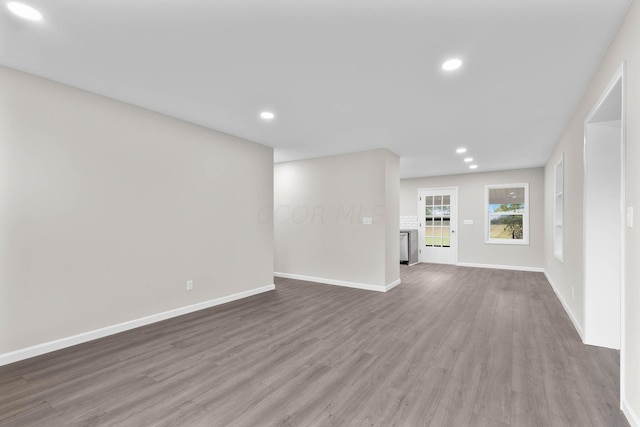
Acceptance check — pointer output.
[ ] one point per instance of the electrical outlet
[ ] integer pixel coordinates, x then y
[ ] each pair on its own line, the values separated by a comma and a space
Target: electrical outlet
189, 285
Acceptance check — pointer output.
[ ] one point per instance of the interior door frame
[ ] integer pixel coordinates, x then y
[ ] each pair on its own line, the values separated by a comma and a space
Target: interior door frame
619, 76
453, 221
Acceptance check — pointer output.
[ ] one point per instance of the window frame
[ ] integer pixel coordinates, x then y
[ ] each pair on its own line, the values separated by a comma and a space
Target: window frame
525, 215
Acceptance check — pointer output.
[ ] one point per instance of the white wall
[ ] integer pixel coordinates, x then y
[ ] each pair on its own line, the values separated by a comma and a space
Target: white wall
106, 210
472, 248
624, 47
319, 206
392, 215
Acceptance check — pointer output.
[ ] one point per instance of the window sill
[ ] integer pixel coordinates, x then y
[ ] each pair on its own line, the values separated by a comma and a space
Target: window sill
507, 242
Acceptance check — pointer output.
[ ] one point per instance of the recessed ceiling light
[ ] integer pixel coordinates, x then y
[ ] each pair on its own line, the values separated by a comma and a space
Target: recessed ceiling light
473, 167
24, 11
468, 159
268, 115
461, 150
452, 64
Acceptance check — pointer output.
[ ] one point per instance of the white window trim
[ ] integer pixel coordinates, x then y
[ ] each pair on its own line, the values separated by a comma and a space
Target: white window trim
525, 216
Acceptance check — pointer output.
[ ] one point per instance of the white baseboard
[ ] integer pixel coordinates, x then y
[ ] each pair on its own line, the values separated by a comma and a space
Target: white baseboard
632, 417
576, 325
47, 347
502, 267
392, 285
364, 286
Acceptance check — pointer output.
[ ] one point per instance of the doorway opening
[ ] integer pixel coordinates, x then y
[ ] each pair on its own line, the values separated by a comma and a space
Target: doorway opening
604, 219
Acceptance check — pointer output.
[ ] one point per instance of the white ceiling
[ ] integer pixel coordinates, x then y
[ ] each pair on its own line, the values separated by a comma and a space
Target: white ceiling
341, 75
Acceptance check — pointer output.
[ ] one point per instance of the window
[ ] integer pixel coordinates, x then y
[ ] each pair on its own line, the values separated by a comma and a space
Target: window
558, 210
437, 221
507, 214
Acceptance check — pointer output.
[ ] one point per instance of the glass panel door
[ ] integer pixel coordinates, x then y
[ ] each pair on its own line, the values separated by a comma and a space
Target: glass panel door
438, 220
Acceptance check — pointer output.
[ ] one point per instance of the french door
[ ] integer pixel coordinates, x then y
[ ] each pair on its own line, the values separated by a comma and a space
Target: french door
438, 224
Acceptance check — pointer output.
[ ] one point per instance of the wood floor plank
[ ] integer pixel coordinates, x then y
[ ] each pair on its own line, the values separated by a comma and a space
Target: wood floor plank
423, 398
450, 346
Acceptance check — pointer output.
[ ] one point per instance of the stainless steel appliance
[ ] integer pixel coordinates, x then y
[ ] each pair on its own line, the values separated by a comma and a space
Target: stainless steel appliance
409, 247
404, 248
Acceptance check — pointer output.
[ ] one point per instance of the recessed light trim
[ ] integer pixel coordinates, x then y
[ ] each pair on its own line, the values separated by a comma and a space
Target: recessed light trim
452, 64
267, 115
461, 150
468, 159
473, 167
24, 11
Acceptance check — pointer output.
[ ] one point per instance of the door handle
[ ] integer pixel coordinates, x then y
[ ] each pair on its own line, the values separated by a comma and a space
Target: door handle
453, 231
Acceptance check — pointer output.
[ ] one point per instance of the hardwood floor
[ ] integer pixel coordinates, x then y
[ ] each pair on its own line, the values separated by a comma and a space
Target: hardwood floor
450, 346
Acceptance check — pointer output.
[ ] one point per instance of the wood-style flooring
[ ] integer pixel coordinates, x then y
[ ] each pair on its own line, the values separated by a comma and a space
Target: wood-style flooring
450, 346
